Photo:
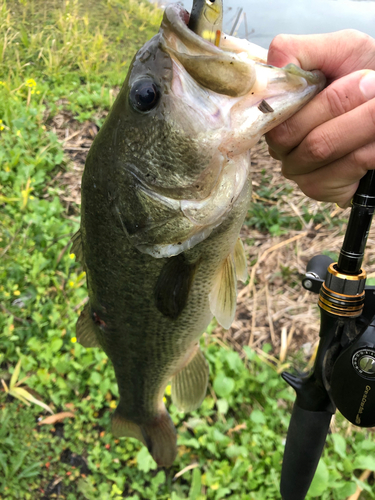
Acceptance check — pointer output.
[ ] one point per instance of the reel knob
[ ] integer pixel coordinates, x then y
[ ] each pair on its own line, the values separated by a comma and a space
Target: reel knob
352, 383
364, 362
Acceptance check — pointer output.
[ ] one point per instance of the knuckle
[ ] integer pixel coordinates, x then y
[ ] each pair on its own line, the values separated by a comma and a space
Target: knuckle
336, 100
363, 158
371, 112
356, 36
309, 188
280, 42
319, 147
281, 137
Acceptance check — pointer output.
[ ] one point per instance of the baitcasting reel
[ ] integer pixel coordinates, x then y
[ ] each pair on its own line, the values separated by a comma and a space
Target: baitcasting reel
343, 376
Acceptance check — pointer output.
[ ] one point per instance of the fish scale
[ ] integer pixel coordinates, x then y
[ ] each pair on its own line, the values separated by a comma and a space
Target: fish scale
165, 190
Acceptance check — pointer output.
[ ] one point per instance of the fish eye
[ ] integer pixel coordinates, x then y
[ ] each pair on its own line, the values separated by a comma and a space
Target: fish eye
144, 95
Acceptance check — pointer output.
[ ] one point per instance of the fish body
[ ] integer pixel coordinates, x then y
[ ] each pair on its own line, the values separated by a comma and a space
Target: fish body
165, 190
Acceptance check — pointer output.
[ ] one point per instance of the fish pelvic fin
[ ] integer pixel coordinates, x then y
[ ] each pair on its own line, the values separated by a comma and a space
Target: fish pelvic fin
240, 261
189, 385
86, 328
223, 296
159, 435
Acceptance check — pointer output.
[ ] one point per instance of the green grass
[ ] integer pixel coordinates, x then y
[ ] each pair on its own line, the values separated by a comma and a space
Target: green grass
70, 57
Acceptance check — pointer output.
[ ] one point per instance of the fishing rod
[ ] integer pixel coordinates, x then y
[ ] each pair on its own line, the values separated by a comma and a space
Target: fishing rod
343, 376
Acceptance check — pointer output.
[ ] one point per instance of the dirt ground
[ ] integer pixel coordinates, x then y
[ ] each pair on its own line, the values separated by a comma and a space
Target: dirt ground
273, 307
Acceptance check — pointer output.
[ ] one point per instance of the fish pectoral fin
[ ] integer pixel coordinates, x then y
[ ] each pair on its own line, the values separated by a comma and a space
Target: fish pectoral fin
173, 286
223, 296
77, 246
189, 385
240, 261
86, 328
159, 435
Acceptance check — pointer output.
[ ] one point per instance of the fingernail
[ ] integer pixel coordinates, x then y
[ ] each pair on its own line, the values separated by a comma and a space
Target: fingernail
367, 85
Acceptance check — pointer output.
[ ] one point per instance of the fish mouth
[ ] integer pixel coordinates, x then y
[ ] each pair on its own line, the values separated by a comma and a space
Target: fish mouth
228, 68
214, 67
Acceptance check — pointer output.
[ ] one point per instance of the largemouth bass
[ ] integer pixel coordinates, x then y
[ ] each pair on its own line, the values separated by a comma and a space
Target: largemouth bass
165, 190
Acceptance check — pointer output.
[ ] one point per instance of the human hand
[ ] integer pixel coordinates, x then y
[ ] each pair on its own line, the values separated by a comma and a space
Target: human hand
329, 145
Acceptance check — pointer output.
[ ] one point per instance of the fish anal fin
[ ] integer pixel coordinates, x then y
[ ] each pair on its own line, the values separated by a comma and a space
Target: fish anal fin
240, 261
223, 296
173, 286
86, 328
159, 435
189, 385
77, 246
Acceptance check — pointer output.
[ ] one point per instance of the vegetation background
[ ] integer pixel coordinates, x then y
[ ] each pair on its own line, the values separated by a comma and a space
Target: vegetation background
61, 64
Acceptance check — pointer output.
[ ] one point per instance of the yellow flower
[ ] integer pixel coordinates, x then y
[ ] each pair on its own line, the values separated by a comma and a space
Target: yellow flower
30, 83
73, 339
168, 390
18, 133
16, 292
164, 400
71, 283
72, 256
7, 169
113, 404
1, 125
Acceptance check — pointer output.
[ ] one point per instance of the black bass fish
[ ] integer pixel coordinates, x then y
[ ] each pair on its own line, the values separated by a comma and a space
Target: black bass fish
165, 190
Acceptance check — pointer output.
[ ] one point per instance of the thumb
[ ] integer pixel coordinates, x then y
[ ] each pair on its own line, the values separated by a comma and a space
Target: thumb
335, 54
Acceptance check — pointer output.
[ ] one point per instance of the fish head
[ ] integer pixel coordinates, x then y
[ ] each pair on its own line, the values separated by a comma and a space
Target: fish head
175, 147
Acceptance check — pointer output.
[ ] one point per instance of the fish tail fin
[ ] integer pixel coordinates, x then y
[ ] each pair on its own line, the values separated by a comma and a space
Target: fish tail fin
159, 435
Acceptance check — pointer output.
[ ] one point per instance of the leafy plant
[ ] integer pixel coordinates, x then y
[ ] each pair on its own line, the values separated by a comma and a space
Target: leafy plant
21, 393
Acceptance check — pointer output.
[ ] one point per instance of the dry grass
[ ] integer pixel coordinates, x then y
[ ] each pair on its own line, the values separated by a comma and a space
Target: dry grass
273, 307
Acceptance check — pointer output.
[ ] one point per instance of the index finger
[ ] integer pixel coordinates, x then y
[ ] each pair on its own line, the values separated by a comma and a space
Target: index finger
335, 54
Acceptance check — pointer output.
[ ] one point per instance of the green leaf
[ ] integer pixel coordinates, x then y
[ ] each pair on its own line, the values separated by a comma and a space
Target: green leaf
196, 485
15, 375
223, 385
339, 445
56, 345
320, 482
222, 406
145, 461
364, 462
19, 461
257, 417
347, 490
31, 471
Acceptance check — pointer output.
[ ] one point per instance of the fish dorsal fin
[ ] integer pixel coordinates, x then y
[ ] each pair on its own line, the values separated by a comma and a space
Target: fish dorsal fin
223, 296
240, 261
189, 385
86, 328
77, 246
173, 286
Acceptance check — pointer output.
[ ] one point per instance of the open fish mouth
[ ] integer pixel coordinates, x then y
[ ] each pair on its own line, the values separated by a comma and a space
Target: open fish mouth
228, 68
